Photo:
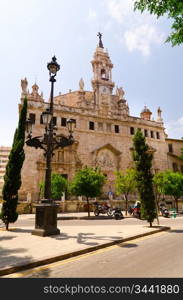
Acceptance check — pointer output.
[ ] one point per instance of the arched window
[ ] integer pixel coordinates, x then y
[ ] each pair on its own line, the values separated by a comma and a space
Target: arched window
104, 75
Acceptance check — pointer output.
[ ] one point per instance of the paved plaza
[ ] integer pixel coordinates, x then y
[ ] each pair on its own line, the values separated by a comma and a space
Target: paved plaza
19, 248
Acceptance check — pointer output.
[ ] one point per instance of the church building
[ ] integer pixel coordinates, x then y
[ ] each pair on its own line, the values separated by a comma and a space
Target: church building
104, 130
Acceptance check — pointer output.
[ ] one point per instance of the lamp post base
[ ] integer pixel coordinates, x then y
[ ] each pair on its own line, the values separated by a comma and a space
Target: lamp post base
46, 220
44, 232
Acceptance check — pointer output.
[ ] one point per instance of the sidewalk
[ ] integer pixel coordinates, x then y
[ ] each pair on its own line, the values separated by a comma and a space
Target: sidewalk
19, 249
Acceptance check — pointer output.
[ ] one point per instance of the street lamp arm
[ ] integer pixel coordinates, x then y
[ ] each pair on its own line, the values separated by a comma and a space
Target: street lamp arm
35, 142
63, 142
39, 142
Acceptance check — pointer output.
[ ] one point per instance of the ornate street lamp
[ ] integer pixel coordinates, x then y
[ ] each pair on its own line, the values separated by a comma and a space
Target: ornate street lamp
29, 127
71, 123
49, 142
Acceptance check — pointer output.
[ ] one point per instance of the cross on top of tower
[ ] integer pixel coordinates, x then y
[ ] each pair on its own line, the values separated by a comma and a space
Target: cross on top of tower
100, 40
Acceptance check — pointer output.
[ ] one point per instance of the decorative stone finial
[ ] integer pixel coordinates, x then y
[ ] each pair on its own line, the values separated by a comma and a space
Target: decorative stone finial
159, 118
146, 113
35, 89
24, 84
81, 85
100, 40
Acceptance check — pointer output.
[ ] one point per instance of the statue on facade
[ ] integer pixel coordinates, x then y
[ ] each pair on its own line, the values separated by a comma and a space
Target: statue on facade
100, 40
120, 93
24, 84
104, 160
81, 85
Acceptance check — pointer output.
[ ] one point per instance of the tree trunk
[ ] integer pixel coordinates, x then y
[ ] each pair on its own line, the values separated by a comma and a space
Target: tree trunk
176, 205
126, 204
88, 206
157, 210
150, 224
7, 226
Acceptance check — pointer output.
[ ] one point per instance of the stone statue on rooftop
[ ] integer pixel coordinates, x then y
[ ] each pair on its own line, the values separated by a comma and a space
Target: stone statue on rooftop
24, 84
100, 40
81, 85
120, 92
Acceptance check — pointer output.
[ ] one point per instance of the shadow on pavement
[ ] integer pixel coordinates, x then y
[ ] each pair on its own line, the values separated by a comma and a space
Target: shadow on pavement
22, 230
8, 259
39, 274
6, 238
176, 231
127, 245
86, 238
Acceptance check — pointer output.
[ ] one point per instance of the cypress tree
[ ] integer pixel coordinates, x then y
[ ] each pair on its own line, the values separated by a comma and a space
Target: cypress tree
144, 177
12, 178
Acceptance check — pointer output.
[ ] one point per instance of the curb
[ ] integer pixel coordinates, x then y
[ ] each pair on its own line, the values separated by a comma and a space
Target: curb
87, 218
49, 260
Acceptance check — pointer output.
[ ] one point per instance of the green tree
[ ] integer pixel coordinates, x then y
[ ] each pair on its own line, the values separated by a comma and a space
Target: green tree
88, 182
12, 178
173, 185
143, 163
172, 8
125, 184
158, 181
58, 186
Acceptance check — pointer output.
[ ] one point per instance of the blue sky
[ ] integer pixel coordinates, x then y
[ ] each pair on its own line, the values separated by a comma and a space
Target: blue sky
149, 70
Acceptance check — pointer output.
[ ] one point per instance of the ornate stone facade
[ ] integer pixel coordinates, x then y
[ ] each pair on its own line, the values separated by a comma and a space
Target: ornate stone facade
104, 130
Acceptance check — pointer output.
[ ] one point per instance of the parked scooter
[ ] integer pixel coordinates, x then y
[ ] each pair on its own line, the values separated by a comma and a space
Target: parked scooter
102, 209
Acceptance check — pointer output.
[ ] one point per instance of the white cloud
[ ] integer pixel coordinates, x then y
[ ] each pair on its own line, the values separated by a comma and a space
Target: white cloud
92, 15
120, 9
175, 128
139, 30
142, 38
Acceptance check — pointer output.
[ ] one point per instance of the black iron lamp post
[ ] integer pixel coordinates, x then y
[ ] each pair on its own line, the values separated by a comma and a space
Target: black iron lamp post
49, 142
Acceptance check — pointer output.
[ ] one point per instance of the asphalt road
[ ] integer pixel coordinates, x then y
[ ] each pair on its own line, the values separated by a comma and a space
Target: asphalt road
156, 256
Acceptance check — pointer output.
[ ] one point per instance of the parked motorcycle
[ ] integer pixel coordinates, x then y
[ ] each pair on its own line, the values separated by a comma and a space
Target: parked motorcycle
117, 214
135, 210
102, 209
130, 210
164, 211
136, 213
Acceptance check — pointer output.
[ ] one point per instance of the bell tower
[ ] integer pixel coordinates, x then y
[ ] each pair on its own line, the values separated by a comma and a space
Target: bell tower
102, 75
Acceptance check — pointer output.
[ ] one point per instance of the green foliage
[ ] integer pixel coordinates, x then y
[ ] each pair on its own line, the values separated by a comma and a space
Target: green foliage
173, 185
125, 183
169, 183
88, 182
58, 186
144, 177
12, 178
172, 8
158, 181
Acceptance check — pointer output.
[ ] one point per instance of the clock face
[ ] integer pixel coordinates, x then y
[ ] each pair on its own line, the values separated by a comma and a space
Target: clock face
104, 90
